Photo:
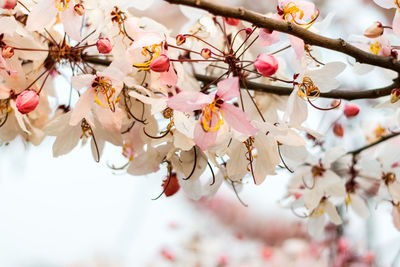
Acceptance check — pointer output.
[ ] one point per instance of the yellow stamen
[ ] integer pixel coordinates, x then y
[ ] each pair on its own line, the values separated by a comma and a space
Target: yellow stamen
61, 5
153, 51
86, 129
307, 89
375, 48
292, 11
347, 200
207, 115
103, 89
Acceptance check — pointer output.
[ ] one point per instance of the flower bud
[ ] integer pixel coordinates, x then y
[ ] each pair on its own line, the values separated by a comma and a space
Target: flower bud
9, 4
160, 64
338, 130
7, 52
374, 31
180, 39
206, 53
351, 110
27, 101
395, 95
232, 21
104, 45
172, 187
249, 31
266, 64
79, 9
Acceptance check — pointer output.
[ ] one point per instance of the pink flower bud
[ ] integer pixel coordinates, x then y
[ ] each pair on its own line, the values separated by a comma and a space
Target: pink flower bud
374, 31
266, 64
9, 4
249, 31
160, 64
206, 53
351, 110
7, 52
79, 9
395, 95
180, 39
232, 21
27, 101
338, 130
104, 45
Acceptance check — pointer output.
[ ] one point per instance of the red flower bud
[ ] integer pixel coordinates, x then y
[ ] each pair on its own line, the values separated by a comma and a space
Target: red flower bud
232, 21
160, 64
27, 101
206, 53
374, 31
7, 52
9, 4
266, 64
249, 31
104, 45
180, 39
351, 110
79, 9
338, 130
395, 95
173, 185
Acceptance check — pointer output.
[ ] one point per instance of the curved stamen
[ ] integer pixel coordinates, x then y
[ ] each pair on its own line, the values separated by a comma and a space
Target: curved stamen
168, 181
324, 109
194, 165
212, 173
207, 115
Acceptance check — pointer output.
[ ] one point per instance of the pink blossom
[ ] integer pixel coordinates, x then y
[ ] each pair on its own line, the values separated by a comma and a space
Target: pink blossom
215, 111
27, 101
388, 4
267, 65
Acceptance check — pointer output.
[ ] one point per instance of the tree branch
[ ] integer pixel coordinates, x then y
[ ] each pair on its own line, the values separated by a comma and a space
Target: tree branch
280, 90
338, 94
309, 37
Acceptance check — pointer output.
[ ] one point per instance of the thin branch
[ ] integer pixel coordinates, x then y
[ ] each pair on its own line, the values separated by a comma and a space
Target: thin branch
358, 151
309, 37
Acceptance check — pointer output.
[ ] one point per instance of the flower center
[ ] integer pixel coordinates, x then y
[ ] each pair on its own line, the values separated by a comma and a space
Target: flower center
128, 151
104, 93
210, 111
117, 15
375, 48
307, 89
153, 51
61, 5
292, 13
86, 129
317, 170
389, 177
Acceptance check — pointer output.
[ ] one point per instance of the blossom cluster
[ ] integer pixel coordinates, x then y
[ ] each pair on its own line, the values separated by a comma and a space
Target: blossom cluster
185, 103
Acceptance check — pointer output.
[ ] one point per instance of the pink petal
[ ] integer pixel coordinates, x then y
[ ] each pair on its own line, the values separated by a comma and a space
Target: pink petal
169, 77
82, 107
41, 15
202, 138
297, 45
189, 101
228, 88
72, 23
396, 23
238, 119
266, 39
385, 3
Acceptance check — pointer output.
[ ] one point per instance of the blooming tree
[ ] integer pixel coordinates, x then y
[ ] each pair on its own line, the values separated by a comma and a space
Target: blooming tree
214, 104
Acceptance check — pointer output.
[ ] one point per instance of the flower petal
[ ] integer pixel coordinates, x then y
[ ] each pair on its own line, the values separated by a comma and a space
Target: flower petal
228, 88
238, 119
189, 101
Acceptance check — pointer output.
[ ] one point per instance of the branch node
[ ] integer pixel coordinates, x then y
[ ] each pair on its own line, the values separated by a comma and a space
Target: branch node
342, 42
242, 11
290, 26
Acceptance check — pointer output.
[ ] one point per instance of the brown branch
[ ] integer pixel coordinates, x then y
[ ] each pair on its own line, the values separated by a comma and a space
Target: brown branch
338, 94
309, 37
280, 90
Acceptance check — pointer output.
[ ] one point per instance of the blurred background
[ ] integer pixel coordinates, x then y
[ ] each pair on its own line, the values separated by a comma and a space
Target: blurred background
71, 211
